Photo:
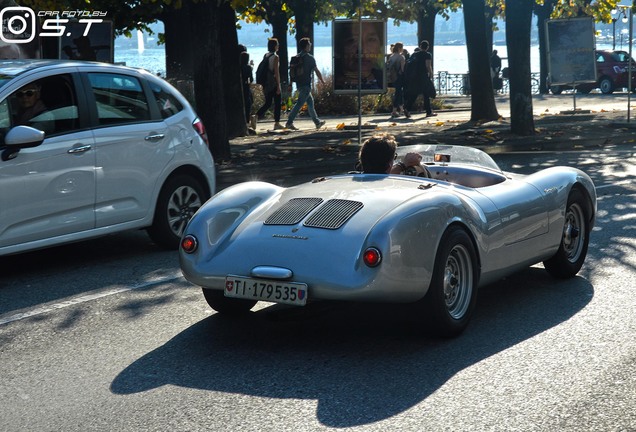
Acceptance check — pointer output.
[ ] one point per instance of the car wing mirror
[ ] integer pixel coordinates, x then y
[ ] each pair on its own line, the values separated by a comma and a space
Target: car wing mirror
18, 138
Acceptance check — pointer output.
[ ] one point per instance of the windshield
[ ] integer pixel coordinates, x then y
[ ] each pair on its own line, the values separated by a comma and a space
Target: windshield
452, 155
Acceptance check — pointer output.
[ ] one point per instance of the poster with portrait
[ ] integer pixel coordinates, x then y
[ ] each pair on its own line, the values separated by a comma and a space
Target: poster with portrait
96, 44
571, 50
349, 70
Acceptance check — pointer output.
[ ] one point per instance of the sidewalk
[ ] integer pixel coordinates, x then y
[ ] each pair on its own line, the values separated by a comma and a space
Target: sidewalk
599, 121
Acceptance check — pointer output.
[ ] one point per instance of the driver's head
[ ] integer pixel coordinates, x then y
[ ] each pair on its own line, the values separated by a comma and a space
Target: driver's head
377, 154
28, 95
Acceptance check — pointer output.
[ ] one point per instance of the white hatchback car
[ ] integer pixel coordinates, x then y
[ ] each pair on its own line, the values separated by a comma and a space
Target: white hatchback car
89, 149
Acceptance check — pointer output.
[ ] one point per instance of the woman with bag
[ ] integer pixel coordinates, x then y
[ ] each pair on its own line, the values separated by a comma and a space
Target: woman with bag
395, 77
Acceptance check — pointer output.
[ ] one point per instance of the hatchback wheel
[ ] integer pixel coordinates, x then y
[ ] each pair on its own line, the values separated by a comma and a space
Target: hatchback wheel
180, 198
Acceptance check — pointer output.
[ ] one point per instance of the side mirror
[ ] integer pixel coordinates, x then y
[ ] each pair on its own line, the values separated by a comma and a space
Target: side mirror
20, 137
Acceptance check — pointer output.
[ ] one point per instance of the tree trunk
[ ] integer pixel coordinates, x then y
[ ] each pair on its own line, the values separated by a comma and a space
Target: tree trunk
543, 14
482, 104
205, 22
305, 22
518, 23
233, 90
179, 61
426, 28
278, 21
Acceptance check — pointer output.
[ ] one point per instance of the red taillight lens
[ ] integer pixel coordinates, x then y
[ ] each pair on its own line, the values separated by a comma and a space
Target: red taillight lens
372, 257
198, 126
189, 244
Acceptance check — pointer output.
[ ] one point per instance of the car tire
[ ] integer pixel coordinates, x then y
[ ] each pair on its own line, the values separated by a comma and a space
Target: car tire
569, 258
226, 305
452, 294
181, 196
556, 90
606, 85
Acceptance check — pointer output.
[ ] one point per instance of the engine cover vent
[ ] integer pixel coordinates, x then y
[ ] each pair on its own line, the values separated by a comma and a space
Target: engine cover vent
333, 214
293, 211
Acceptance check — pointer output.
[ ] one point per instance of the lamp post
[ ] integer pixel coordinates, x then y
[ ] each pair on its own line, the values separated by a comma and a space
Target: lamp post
619, 13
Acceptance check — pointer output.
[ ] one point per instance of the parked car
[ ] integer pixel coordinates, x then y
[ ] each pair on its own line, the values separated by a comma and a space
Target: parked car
390, 238
611, 73
89, 149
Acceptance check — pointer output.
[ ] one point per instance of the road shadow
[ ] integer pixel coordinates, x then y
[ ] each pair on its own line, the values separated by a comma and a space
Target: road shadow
362, 363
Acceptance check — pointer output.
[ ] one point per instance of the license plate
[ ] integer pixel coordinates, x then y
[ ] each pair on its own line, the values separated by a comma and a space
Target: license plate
292, 293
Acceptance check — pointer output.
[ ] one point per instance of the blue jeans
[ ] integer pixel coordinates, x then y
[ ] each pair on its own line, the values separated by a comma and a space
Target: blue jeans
304, 95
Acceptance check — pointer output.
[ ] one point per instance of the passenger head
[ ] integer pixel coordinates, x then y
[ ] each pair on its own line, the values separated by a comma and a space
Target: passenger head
424, 45
377, 154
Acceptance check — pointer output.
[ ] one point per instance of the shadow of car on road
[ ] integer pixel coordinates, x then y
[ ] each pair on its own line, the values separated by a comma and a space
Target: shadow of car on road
362, 363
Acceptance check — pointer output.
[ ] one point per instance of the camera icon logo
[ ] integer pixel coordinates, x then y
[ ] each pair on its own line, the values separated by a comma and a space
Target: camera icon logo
18, 24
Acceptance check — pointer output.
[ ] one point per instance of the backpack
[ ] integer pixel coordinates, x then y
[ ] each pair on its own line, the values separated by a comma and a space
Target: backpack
262, 72
392, 71
411, 69
296, 69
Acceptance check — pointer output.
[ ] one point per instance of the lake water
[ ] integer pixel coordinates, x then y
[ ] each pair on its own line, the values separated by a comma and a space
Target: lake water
449, 58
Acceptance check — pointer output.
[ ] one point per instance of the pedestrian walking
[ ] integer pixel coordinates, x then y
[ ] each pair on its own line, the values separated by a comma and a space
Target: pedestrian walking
418, 79
495, 68
271, 86
248, 78
303, 75
395, 77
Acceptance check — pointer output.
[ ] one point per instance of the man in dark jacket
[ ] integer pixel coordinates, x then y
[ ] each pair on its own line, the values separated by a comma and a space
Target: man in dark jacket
419, 75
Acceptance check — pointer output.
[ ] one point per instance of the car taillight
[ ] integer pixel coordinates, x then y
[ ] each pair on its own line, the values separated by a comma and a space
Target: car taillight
372, 257
189, 244
198, 126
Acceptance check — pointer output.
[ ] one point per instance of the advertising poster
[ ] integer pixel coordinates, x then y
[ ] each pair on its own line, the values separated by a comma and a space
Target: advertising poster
347, 69
571, 50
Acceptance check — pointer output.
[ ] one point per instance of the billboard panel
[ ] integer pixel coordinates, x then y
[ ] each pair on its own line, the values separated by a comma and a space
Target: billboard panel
571, 50
347, 69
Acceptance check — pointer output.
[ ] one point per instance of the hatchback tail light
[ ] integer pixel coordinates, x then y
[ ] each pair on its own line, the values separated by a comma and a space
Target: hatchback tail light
197, 124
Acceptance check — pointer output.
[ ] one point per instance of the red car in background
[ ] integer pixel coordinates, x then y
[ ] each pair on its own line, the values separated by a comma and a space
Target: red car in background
611, 73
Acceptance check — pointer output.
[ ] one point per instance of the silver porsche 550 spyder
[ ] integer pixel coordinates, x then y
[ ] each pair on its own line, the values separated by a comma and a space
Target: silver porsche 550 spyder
431, 241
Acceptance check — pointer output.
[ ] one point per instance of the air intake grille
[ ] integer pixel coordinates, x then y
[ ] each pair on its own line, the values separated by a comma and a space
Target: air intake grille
293, 211
333, 214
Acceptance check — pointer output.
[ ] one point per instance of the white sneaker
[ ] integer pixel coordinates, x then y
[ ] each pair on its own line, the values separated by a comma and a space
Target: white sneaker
320, 124
291, 126
278, 126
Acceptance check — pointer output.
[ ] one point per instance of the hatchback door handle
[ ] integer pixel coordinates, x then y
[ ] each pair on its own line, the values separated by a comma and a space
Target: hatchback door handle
80, 149
155, 137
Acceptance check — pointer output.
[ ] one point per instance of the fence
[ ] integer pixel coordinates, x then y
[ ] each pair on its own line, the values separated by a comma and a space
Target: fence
459, 84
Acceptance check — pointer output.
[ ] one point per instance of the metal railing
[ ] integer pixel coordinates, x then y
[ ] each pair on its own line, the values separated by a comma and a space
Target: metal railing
459, 84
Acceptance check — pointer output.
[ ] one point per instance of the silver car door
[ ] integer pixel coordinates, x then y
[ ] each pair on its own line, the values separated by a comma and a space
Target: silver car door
132, 149
48, 190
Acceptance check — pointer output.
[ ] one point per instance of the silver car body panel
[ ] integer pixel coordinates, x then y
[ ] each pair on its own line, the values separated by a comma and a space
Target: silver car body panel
514, 223
54, 195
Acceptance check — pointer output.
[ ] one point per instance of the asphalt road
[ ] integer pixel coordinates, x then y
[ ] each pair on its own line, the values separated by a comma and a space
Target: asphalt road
106, 336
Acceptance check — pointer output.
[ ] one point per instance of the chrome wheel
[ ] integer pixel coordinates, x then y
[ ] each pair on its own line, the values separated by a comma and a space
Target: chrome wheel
452, 293
574, 232
575, 239
458, 281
